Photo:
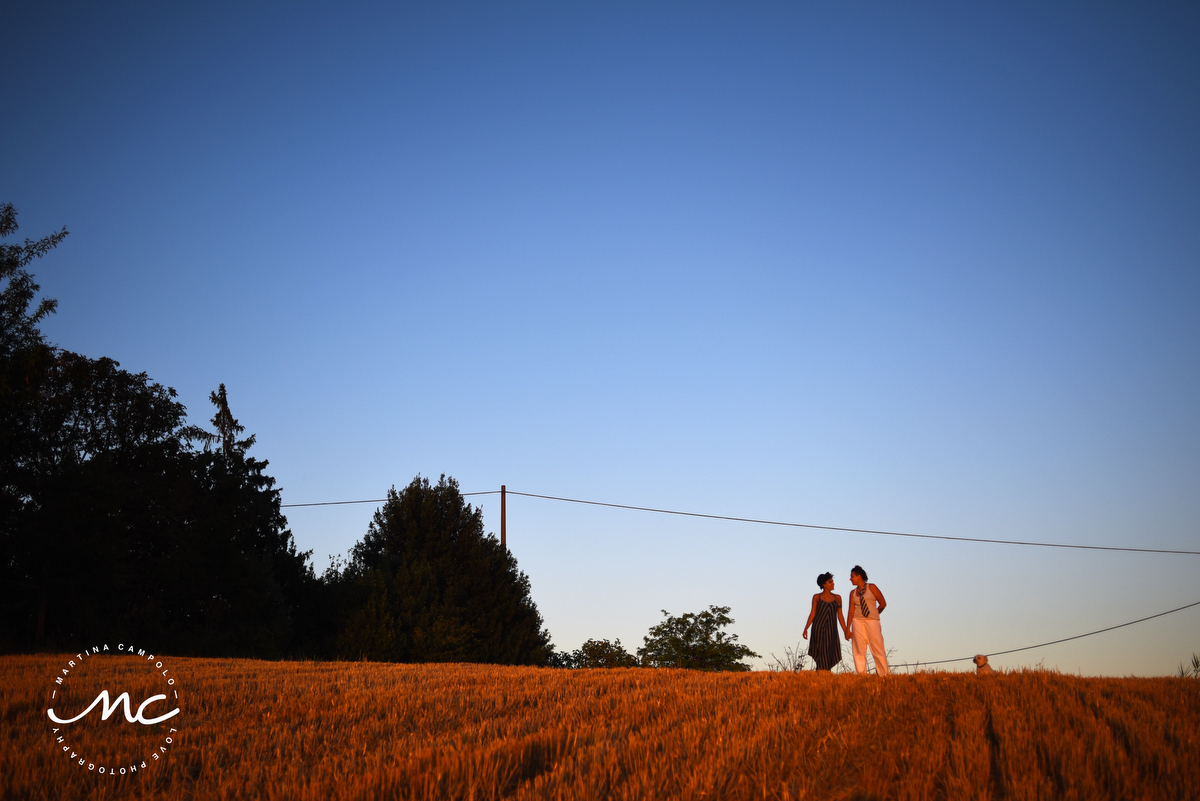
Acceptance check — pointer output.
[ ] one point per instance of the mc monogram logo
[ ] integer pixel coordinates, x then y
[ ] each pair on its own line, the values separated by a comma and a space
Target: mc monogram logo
106, 744
108, 709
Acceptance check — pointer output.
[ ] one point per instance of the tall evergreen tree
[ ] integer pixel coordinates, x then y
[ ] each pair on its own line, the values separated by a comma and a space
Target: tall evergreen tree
227, 425
427, 585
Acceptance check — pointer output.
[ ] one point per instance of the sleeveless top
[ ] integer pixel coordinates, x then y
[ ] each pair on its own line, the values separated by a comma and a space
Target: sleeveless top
866, 605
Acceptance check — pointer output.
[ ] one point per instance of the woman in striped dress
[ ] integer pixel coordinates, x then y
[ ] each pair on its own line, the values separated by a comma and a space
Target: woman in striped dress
826, 647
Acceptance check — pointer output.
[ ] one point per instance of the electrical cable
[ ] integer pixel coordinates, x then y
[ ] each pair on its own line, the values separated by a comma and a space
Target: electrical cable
862, 530
370, 500
847, 529
1064, 639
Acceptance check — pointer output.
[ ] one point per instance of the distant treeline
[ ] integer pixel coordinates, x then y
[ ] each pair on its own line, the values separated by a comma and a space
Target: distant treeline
119, 520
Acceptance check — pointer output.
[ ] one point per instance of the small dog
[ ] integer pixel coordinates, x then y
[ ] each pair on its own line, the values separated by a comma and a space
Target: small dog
981, 665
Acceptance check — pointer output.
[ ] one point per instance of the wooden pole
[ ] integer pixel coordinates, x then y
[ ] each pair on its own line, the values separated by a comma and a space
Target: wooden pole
503, 527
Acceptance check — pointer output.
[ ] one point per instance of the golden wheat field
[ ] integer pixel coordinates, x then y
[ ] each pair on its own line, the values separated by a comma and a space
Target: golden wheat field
320, 730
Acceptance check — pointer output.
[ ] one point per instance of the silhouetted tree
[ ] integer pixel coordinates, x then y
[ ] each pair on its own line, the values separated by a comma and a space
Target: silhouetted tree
241, 578
95, 446
595, 654
695, 641
427, 585
227, 425
18, 325
111, 521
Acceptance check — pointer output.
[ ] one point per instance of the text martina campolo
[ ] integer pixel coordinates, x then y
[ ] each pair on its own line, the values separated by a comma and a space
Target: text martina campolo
109, 705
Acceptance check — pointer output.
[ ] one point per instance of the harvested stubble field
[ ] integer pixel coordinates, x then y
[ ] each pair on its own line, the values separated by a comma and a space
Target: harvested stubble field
305, 730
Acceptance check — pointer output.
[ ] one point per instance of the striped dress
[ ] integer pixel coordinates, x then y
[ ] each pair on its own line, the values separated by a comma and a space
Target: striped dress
825, 647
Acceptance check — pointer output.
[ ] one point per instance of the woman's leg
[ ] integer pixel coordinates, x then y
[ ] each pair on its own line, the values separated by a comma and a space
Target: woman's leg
875, 638
858, 645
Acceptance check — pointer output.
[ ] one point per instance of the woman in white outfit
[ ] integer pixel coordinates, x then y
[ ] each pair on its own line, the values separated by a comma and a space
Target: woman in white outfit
866, 602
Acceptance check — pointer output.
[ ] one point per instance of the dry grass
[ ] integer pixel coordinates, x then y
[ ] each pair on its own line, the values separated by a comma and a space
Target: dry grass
304, 730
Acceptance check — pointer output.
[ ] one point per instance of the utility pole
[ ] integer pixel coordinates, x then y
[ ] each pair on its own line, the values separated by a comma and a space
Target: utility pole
503, 532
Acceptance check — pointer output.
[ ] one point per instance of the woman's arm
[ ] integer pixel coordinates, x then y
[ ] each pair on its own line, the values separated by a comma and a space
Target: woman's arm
841, 617
879, 597
850, 617
811, 615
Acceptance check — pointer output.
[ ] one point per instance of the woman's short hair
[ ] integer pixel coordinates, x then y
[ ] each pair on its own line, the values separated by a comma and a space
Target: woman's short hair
821, 579
857, 570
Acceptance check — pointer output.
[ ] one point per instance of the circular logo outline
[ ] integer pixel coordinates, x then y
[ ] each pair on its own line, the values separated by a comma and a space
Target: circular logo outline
108, 706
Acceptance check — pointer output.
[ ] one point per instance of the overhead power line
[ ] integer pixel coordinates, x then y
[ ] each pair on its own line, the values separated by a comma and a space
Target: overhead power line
370, 500
860, 530
1064, 639
331, 503
815, 526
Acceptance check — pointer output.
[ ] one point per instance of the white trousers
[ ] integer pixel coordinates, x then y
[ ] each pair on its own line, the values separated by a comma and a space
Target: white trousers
864, 633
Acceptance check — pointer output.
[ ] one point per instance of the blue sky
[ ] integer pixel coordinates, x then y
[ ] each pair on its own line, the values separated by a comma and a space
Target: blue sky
931, 269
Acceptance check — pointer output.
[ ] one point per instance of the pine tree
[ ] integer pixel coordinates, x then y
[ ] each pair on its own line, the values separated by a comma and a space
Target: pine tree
426, 584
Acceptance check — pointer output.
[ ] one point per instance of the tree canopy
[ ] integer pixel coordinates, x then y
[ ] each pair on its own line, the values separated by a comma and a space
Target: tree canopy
18, 325
695, 641
426, 584
119, 518
595, 654
111, 519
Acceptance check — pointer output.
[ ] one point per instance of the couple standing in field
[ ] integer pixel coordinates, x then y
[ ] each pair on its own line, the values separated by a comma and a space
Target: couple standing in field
861, 627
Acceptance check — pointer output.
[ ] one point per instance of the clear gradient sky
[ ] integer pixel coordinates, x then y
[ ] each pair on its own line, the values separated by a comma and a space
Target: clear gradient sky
927, 268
